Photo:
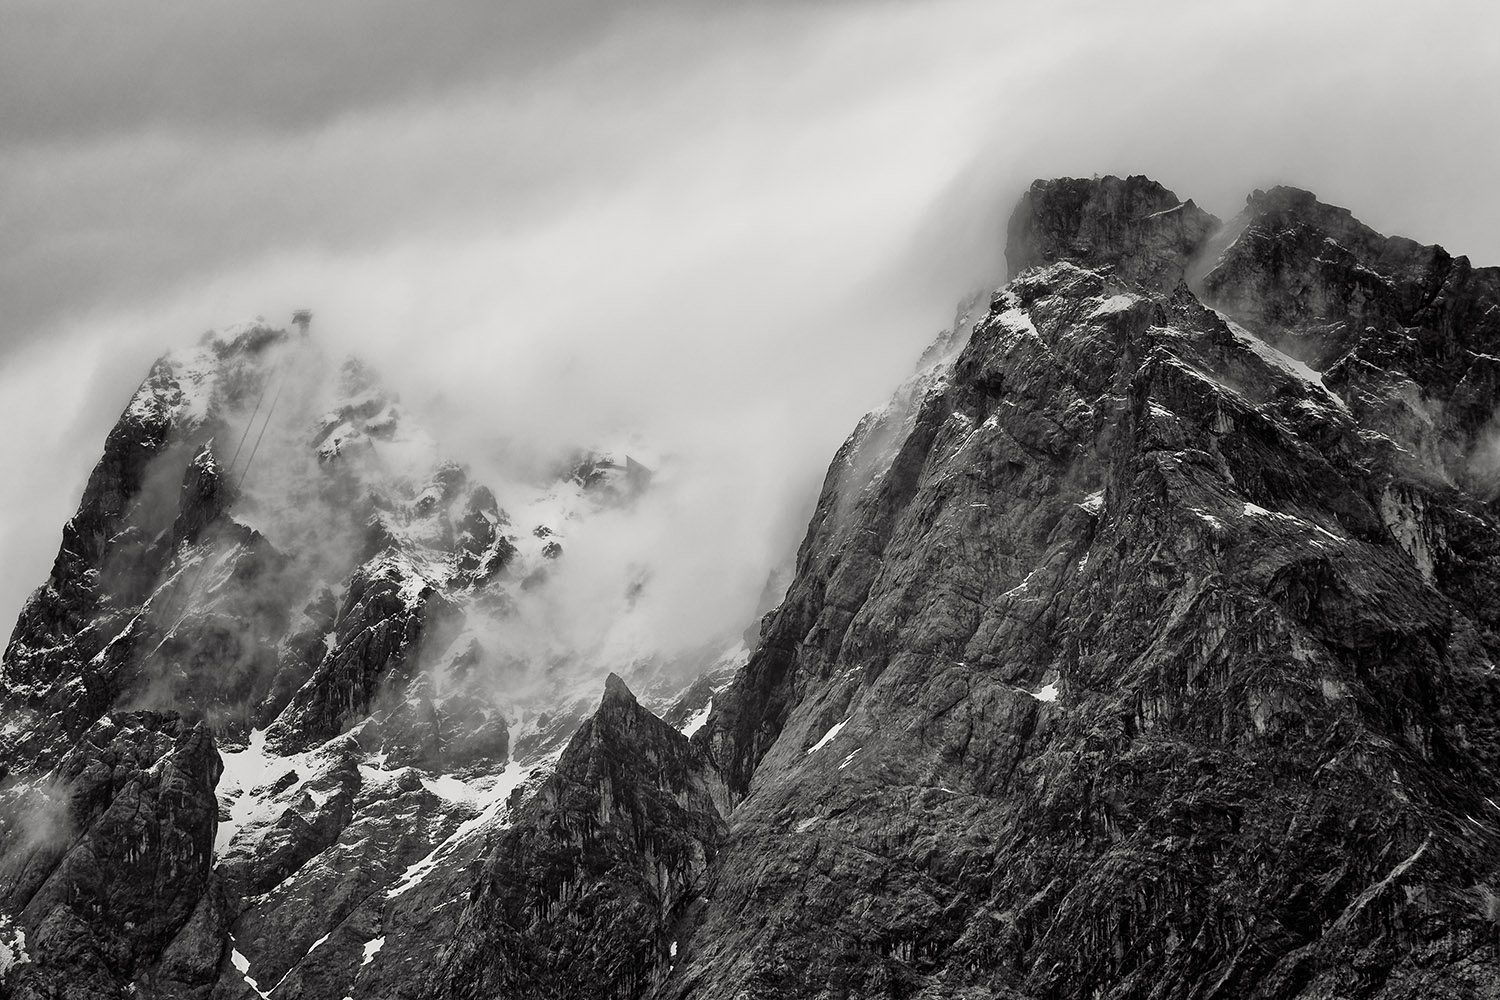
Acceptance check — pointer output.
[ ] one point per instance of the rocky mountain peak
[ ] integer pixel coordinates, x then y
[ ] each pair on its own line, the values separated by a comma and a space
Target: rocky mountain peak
1140, 601
1134, 228
1294, 203
351, 639
1142, 646
616, 691
1295, 262
1406, 332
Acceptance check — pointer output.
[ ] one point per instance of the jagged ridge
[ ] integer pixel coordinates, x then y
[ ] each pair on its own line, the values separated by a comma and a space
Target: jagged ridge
1150, 663
1143, 647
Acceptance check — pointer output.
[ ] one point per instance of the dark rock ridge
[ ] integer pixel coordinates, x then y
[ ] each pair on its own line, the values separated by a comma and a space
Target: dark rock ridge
109, 868
1407, 334
1144, 663
1142, 647
588, 893
262, 710
1133, 230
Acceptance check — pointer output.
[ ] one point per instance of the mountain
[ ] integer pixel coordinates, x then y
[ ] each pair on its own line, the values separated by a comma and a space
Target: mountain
1142, 646
290, 661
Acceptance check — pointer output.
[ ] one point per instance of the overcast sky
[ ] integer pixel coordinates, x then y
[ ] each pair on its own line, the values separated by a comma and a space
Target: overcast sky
730, 226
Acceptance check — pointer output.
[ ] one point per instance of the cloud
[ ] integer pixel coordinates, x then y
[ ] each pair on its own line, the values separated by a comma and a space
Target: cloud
731, 229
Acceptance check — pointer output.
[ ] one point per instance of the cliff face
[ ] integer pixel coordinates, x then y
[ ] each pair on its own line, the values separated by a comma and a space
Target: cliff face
1150, 660
584, 894
1142, 646
1135, 228
1406, 334
126, 895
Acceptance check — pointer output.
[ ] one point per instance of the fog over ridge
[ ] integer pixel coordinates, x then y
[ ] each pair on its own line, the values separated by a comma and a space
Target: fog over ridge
729, 230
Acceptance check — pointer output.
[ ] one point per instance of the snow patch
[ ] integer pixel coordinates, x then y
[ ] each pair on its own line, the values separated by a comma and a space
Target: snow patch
242, 966
1285, 362
828, 738
446, 786
1018, 321
245, 770
695, 722
248, 777
845, 762
496, 795
1208, 518
372, 948
12, 947
1020, 586
1256, 510
1113, 304
1047, 692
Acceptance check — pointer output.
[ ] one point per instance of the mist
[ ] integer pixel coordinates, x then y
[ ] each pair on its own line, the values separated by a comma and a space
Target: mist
725, 230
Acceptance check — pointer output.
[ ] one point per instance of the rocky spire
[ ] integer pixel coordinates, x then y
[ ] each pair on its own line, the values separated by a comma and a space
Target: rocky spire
1133, 229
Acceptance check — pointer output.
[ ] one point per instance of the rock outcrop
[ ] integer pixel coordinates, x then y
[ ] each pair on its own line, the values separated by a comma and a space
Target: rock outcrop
107, 865
587, 892
1142, 647
1142, 664
1133, 230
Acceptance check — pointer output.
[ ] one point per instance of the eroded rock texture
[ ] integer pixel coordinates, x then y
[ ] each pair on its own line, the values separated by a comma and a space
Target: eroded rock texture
1154, 666
107, 870
1142, 647
586, 893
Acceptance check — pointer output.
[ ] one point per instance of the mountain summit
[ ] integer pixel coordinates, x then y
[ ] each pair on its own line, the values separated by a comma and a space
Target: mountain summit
1143, 646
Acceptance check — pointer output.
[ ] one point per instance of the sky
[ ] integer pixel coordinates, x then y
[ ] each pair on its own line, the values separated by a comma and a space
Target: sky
728, 227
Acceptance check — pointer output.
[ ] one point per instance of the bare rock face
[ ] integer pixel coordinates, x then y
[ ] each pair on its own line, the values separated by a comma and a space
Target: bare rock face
1295, 262
377, 629
1141, 665
1134, 229
585, 895
1142, 647
1407, 334
108, 868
